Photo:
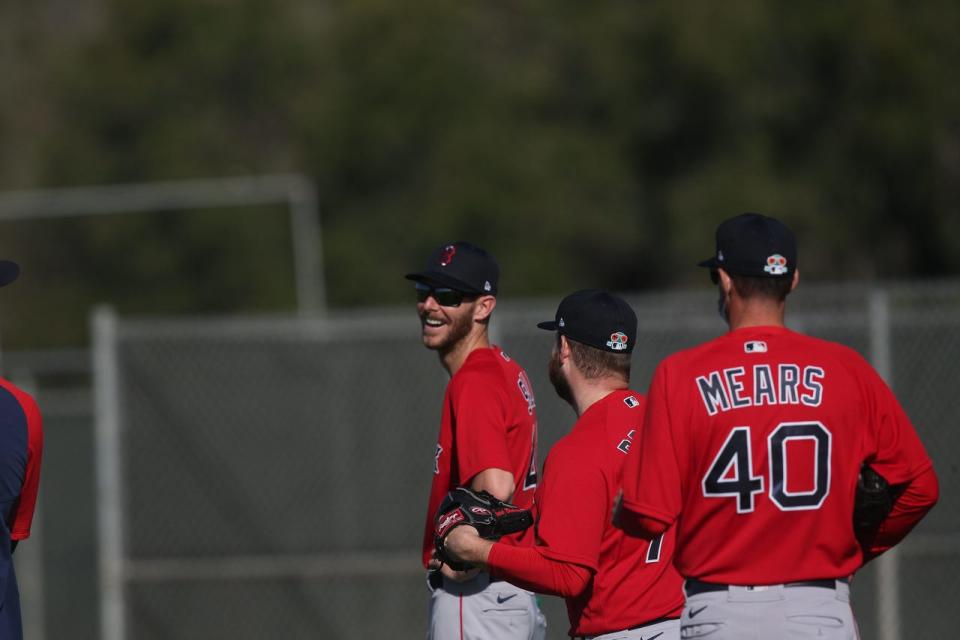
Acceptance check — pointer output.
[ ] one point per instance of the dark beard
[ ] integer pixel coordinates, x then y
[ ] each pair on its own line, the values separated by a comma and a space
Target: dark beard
722, 308
558, 380
459, 328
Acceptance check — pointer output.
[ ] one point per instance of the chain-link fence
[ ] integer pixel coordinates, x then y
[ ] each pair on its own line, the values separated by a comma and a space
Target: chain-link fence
266, 478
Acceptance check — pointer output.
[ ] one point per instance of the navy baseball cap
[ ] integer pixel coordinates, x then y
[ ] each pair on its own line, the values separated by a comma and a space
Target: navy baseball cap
754, 245
461, 266
9, 271
597, 319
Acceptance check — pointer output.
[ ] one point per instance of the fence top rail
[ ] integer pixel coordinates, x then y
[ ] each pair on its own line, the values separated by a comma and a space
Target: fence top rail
119, 198
674, 313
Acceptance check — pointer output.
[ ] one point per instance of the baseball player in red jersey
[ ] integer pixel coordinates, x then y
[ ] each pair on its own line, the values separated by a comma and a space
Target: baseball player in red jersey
752, 446
615, 586
488, 436
21, 449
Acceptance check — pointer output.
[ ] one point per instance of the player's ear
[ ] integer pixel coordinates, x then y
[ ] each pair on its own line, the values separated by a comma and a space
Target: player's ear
564, 348
483, 308
726, 282
796, 279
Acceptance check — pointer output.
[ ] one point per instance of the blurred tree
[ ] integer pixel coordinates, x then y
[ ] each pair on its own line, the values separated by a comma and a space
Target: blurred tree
170, 89
583, 144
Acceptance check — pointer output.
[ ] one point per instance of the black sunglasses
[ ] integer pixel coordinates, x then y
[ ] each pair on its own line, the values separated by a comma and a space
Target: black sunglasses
445, 296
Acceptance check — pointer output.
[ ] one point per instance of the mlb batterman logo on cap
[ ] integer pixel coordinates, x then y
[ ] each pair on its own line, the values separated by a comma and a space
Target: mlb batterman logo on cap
461, 266
596, 318
755, 245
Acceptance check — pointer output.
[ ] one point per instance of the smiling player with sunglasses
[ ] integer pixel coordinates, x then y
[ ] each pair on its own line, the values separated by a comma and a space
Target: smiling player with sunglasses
488, 435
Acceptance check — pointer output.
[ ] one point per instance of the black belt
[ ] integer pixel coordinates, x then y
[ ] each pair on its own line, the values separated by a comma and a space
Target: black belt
639, 626
435, 578
693, 586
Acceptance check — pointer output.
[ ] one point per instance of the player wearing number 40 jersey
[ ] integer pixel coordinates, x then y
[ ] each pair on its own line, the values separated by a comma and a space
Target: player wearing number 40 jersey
615, 586
753, 444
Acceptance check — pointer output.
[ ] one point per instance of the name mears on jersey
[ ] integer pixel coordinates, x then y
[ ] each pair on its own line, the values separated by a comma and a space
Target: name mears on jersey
724, 389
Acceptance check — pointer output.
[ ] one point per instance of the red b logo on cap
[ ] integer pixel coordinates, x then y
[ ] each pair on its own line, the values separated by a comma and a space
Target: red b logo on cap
446, 256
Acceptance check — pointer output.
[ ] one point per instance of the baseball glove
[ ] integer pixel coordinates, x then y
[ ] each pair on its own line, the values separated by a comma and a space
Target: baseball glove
872, 504
492, 518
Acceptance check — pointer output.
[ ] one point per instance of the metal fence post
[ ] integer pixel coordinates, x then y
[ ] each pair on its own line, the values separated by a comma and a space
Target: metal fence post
109, 476
307, 248
888, 565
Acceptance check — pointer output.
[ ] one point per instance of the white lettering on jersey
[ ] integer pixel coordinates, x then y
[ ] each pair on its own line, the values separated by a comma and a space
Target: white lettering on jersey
733, 377
789, 379
524, 385
624, 446
713, 392
530, 480
811, 380
763, 386
724, 390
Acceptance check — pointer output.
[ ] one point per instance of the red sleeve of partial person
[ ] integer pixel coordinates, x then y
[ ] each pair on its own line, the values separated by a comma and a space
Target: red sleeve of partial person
917, 498
652, 473
480, 426
23, 514
528, 569
638, 525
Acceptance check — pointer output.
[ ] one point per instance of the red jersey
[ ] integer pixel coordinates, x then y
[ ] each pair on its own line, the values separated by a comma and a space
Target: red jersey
752, 445
489, 421
21, 445
634, 581
21, 448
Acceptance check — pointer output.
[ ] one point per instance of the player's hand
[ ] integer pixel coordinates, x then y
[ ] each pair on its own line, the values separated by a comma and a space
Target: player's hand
459, 576
465, 545
436, 564
461, 542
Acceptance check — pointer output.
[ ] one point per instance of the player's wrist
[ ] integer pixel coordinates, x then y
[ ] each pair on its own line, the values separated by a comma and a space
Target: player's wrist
481, 551
464, 543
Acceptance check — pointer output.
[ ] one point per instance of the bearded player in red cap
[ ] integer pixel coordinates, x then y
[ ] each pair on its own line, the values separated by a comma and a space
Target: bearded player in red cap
615, 586
488, 437
753, 444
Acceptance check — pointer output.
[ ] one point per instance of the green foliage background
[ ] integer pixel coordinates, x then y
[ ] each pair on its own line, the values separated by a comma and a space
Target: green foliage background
586, 144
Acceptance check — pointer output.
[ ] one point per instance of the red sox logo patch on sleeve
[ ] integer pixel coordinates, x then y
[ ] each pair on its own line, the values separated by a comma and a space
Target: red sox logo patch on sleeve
446, 256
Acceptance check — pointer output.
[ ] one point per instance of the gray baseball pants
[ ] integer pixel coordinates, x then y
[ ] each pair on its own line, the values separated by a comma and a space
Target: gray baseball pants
479, 609
773, 612
665, 630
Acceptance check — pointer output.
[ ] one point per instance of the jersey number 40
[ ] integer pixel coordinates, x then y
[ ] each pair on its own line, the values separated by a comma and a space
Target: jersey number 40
731, 473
